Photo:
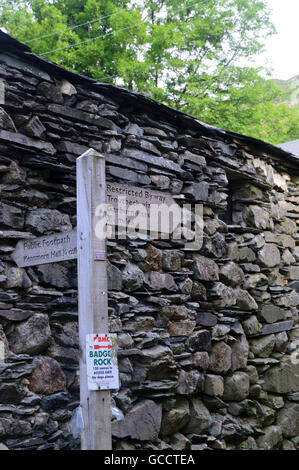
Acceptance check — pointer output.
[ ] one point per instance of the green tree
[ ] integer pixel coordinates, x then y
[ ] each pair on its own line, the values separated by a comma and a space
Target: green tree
184, 53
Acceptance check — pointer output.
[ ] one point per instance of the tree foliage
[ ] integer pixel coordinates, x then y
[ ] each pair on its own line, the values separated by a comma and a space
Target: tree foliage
185, 53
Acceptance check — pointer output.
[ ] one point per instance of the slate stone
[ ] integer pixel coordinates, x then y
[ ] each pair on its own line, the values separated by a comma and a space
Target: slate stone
200, 418
205, 269
189, 383
6, 121
176, 418
142, 422
213, 385
160, 281
114, 276
231, 274
34, 127
200, 341
271, 313
128, 175
45, 220
288, 419
263, 347
181, 328
10, 393
15, 314
71, 147
55, 400
271, 438
282, 378
11, 216
47, 378
236, 387
220, 358
151, 159
277, 327
31, 336
14, 138
81, 116
206, 319
240, 351
269, 255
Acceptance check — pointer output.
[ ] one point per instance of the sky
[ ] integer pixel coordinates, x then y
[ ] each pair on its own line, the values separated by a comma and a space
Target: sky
282, 49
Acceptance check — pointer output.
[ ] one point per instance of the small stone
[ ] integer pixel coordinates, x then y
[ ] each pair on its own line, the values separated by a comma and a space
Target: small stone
178, 441
288, 419
114, 276
277, 327
44, 220
159, 281
200, 341
236, 387
284, 377
252, 326
201, 360
281, 342
220, 358
161, 181
271, 313
31, 336
58, 275
54, 401
172, 260
17, 277
154, 257
240, 351
47, 377
176, 418
6, 121
142, 422
255, 280
176, 312
35, 127
51, 92
181, 328
251, 371
244, 300
66, 88
11, 216
269, 255
10, 393
263, 347
256, 216
206, 319
232, 274
271, 439
132, 277
189, 383
198, 191
15, 174
205, 269
200, 418
214, 385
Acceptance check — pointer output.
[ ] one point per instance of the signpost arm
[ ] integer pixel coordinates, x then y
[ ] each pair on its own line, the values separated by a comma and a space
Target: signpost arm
93, 295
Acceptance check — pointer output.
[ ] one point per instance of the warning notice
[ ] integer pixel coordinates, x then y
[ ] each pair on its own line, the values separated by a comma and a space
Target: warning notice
101, 361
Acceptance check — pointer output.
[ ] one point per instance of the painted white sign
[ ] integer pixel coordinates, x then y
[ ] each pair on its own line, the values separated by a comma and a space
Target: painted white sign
48, 249
101, 361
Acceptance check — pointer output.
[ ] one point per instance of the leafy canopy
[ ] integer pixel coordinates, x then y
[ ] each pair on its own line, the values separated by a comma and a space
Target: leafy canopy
185, 53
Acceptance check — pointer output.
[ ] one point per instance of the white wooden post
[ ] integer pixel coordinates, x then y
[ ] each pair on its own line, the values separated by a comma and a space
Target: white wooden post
93, 295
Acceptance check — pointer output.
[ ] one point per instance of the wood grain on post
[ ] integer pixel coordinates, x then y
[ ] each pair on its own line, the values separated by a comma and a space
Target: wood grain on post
93, 295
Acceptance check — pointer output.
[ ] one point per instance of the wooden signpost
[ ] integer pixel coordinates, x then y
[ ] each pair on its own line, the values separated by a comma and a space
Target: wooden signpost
98, 348
93, 296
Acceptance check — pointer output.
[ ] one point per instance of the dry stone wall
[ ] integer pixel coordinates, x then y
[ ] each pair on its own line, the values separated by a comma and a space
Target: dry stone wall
208, 339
